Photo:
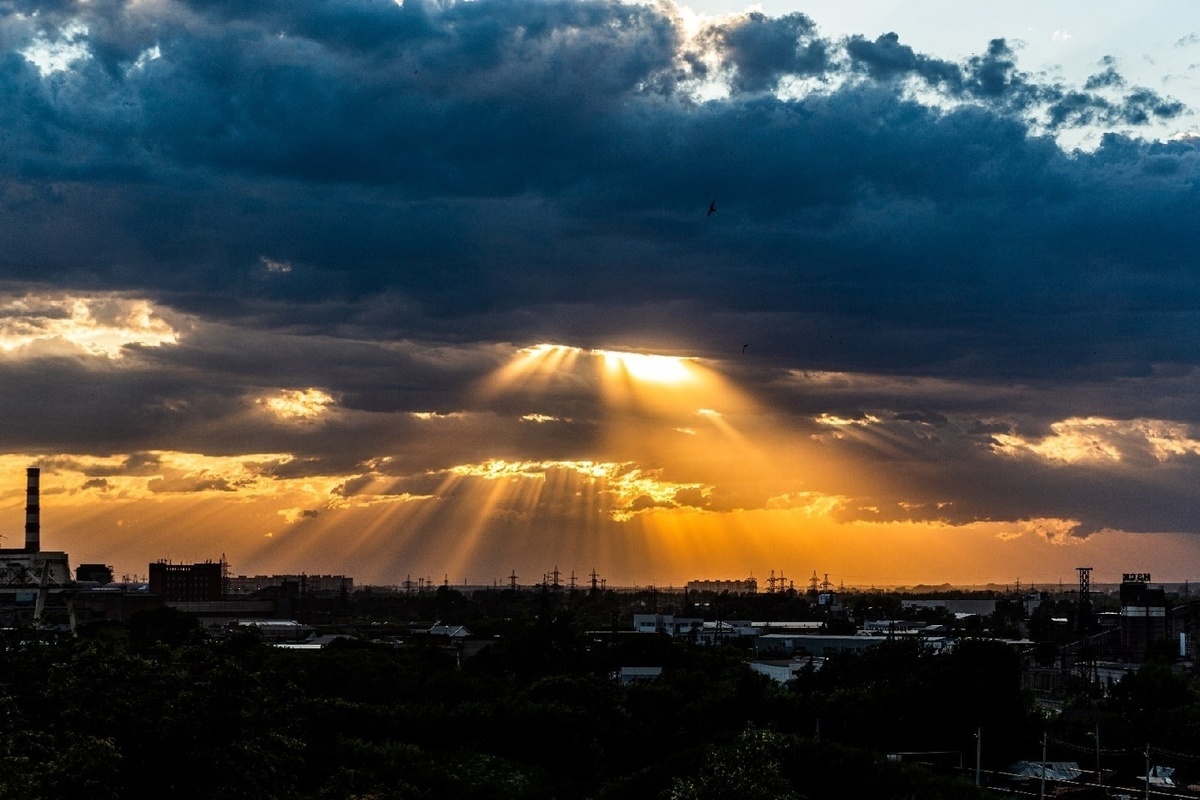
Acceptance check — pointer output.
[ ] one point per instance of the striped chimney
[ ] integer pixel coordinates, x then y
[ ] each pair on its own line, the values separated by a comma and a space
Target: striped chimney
33, 513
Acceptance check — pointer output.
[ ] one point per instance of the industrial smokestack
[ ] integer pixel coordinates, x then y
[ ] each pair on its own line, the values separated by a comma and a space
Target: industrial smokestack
33, 513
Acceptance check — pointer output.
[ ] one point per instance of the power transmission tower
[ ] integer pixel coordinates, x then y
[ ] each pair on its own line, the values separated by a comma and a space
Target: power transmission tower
1085, 600
1087, 652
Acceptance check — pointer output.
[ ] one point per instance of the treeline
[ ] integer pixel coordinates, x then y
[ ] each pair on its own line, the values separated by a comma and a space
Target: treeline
157, 709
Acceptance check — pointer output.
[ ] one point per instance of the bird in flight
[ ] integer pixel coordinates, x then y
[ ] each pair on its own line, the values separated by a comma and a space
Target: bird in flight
712, 208
744, 347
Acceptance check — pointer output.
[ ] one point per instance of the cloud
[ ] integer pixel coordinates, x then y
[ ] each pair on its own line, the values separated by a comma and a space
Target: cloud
762, 49
190, 483
887, 59
297, 405
932, 418
1109, 78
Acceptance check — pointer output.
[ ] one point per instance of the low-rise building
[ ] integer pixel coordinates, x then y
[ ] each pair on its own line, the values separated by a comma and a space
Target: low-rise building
744, 586
627, 675
185, 583
249, 584
669, 624
1143, 618
276, 630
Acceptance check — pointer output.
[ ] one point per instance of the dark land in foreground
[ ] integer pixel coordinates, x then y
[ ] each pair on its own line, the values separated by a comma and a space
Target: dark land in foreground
156, 707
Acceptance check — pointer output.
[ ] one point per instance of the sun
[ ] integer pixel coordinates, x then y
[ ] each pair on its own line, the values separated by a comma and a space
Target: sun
649, 368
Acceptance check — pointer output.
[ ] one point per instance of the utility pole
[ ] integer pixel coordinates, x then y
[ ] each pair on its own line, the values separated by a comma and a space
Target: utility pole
1099, 772
1042, 782
1146, 788
978, 752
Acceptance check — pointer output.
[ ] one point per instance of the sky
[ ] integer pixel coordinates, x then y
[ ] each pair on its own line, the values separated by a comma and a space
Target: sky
891, 292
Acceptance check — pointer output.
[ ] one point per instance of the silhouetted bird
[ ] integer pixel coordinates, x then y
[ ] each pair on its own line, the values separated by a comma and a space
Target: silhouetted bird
712, 208
744, 347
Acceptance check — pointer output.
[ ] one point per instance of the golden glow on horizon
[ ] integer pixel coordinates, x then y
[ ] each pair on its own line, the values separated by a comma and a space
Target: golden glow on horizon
379, 533
650, 480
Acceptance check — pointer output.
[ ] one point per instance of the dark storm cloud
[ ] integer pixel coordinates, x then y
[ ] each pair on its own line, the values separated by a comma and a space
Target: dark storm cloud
994, 79
923, 418
382, 200
887, 58
468, 156
763, 49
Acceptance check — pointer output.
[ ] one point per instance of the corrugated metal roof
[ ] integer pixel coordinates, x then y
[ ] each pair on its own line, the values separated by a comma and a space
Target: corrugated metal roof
1061, 771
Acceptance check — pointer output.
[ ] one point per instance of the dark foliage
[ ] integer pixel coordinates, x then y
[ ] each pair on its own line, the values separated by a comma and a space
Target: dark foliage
158, 709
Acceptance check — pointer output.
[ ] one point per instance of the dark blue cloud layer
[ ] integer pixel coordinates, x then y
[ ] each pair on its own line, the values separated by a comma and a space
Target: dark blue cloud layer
477, 157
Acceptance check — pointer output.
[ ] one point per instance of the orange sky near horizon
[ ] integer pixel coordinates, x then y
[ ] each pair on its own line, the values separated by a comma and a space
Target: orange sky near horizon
385, 544
689, 479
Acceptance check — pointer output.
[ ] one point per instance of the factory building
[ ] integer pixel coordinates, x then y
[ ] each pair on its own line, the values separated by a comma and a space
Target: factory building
1143, 616
305, 584
100, 574
188, 583
29, 576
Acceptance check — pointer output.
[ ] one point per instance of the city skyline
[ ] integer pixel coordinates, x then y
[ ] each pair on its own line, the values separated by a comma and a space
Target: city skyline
668, 291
